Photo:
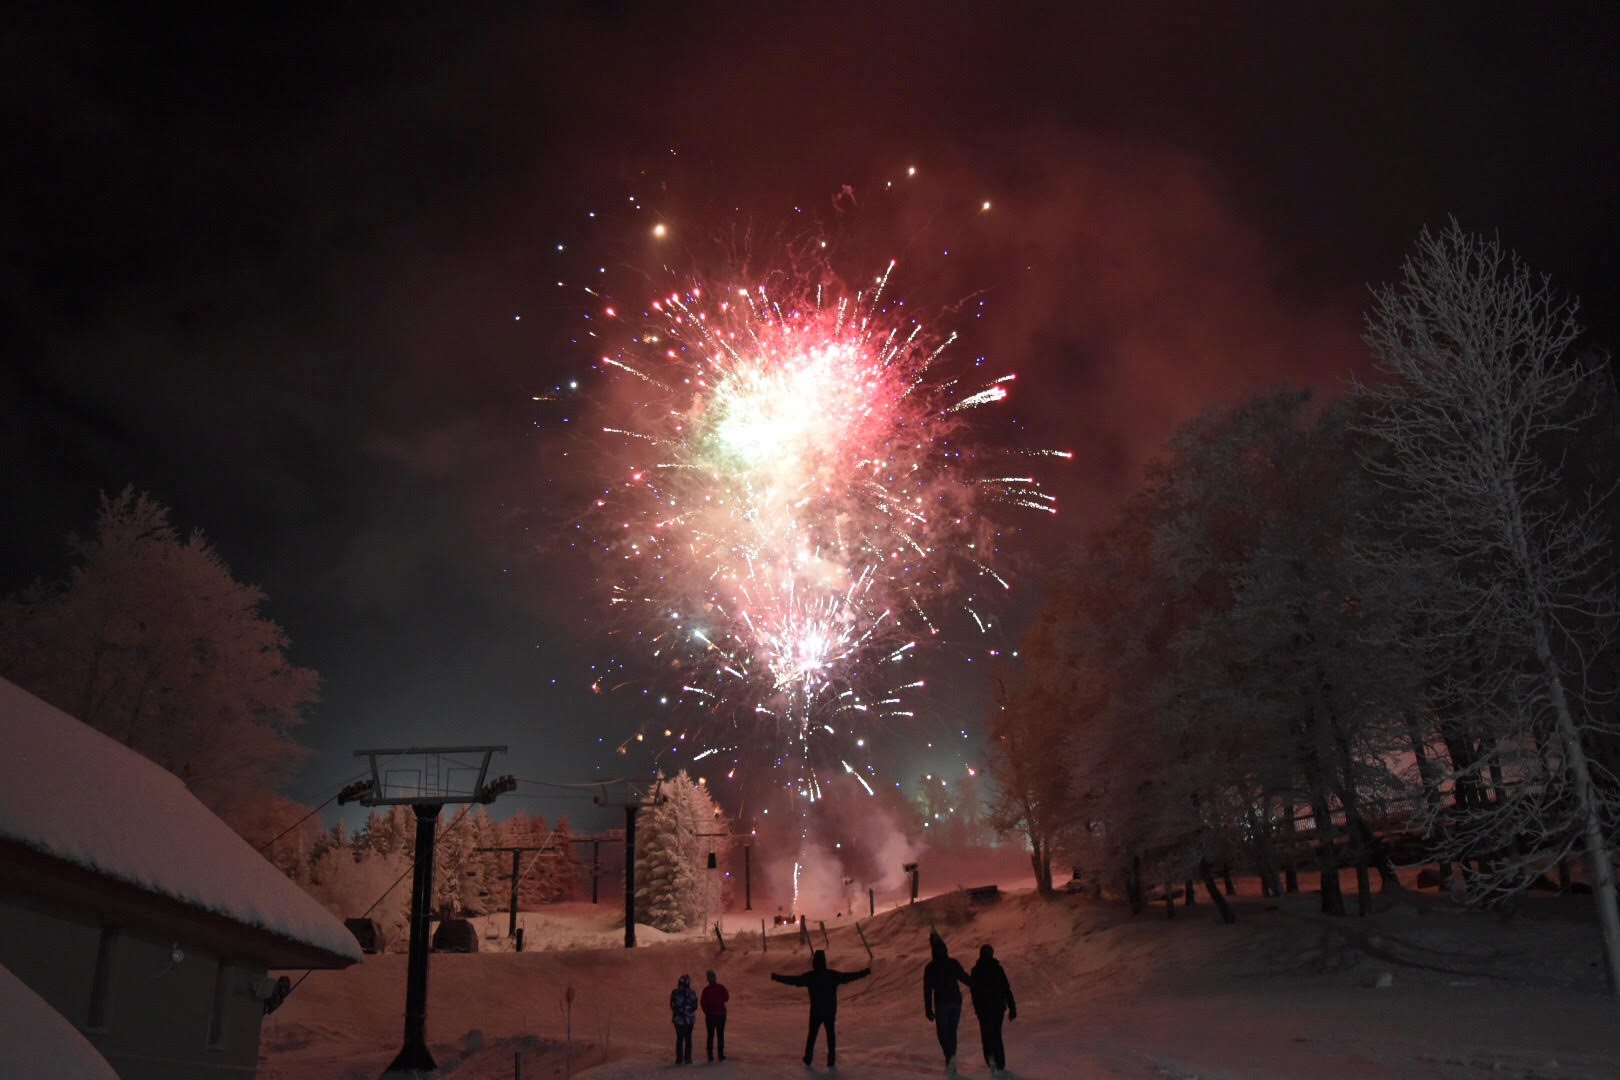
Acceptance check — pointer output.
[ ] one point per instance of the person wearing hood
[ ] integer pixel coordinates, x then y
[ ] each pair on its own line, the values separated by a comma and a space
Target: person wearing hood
992, 996
823, 983
683, 1003
942, 999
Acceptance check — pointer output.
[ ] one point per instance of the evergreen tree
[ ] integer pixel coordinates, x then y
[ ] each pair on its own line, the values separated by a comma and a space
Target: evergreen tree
675, 890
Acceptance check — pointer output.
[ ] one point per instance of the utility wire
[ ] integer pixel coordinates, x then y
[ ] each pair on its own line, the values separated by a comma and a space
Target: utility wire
408, 869
271, 842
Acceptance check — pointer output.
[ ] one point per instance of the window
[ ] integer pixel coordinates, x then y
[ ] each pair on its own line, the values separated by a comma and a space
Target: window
216, 1015
101, 979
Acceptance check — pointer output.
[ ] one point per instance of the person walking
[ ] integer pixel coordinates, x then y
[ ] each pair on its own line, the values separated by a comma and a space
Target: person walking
942, 999
992, 996
714, 1000
823, 983
683, 1003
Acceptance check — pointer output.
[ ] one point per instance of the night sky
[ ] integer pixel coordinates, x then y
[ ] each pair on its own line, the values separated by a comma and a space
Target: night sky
296, 277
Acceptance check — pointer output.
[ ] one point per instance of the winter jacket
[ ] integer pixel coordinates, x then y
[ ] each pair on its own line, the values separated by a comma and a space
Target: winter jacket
683, 1003
823, 983
940, 978
991, 991
714, 999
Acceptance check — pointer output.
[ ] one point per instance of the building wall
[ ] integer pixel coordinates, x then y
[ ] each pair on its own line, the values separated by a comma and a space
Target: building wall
197, 1019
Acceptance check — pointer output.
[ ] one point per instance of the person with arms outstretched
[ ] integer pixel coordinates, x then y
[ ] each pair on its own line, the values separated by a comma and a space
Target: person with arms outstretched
992, 996
683, 1003
823, 983
714, 1000
942, 999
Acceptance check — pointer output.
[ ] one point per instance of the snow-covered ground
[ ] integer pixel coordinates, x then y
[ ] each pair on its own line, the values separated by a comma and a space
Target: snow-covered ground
1285, 993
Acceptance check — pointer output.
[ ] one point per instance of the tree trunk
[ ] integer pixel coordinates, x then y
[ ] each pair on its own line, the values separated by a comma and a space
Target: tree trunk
1260, 829
1169, 900
1221, 905
1290, 871
1226, 880
1327, 858
1040, 860
1350, 798
1363, 889
1133, 886
1188, 899
1586, 806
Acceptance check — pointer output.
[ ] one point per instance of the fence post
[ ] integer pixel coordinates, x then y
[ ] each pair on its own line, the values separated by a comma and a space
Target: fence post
804, 932
823, 924
764, 941
718, 937
861, 932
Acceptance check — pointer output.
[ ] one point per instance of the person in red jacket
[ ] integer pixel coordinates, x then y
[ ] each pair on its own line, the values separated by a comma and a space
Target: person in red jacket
714, 1000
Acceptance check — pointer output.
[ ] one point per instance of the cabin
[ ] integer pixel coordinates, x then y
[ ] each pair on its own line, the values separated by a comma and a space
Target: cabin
135, 913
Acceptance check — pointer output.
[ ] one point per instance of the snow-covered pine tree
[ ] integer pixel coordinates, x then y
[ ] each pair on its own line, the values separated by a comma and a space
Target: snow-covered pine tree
1477, 397
451, 854
674, 890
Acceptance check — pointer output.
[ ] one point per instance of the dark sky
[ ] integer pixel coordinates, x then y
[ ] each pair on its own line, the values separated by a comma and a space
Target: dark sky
268, 269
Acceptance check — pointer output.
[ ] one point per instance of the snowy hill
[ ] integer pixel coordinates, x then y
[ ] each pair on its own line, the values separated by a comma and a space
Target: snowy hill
1285, 993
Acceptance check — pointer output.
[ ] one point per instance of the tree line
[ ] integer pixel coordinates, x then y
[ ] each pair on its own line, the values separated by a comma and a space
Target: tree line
1363, 632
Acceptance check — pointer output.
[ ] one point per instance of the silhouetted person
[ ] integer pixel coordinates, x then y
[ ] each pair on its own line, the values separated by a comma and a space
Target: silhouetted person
942, 1000
714, 1000
683, 1003
823, 983
992, 996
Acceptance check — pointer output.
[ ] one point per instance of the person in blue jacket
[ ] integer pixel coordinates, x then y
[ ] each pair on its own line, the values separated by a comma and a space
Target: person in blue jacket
683, 1003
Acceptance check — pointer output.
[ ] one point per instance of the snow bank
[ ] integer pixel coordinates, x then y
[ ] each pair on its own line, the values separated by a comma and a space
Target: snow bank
73, 793
36, 1041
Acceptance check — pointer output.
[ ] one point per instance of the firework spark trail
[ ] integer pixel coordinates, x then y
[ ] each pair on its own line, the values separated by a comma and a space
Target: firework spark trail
805, 506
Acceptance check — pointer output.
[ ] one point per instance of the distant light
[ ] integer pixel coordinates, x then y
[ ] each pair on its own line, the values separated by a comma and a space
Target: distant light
984, 205
911, 171
659, 230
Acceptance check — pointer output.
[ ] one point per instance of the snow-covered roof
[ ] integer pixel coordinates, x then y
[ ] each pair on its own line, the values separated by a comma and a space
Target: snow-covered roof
36, 1041
71, 792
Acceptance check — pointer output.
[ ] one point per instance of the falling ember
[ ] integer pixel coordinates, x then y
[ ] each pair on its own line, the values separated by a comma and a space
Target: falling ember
796, 475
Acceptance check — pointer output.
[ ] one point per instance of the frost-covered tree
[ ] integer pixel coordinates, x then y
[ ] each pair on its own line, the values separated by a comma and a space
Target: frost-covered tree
350, 887
1477, 395
1027, 758
153, 641
675, 890
387, 831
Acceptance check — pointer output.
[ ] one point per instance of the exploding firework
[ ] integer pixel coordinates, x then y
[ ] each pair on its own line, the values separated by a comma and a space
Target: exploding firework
796, 501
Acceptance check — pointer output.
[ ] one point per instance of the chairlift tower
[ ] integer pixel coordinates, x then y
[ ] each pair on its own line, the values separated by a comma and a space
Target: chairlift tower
633, 801
425, 778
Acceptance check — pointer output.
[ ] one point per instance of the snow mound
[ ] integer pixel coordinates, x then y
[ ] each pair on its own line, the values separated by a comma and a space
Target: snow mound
36, 1041
76, 794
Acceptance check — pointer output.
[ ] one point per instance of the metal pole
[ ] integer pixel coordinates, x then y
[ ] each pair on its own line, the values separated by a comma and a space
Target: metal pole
413, 1056
630, 876
748, 877
596, 867
511, 924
